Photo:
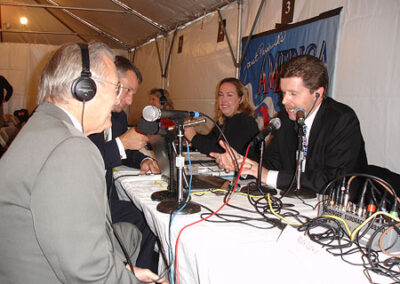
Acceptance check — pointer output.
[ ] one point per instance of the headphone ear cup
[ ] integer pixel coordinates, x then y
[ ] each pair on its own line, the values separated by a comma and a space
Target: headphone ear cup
163, 98
84, 89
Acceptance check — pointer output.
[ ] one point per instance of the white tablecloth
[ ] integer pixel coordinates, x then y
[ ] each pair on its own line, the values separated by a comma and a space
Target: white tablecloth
230, 252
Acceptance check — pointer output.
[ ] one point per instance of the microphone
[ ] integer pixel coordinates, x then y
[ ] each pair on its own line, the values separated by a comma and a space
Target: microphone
151, 113
300, 114
189, 123
150, 127
273, 125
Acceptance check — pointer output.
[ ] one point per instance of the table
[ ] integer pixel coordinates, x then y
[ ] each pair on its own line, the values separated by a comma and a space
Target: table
229, 252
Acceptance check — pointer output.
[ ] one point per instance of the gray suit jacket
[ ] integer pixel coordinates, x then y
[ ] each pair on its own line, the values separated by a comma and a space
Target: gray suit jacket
53, 207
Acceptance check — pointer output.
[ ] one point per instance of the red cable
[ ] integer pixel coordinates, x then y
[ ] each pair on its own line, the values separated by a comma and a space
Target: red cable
209, 216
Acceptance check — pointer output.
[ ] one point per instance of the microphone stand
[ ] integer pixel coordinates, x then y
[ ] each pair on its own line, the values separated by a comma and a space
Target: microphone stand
171, 193
303, 193
257, 187
168, 206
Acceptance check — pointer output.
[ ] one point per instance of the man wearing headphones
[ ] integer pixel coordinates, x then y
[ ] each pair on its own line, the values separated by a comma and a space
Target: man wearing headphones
56, 224
120, 147
333, 139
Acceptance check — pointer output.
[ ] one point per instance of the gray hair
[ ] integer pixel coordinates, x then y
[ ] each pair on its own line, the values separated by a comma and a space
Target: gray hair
65, 65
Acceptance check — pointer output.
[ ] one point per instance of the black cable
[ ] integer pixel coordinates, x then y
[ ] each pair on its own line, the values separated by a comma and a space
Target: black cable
83, 112
226, 140
121, 244
128, 260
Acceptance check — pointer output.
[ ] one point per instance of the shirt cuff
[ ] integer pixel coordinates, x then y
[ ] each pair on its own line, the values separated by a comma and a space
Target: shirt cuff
121, 148
272, 178
146, 158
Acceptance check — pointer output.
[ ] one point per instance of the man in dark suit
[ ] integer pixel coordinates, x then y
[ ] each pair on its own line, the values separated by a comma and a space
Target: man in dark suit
55, 221
121, 147
333, 137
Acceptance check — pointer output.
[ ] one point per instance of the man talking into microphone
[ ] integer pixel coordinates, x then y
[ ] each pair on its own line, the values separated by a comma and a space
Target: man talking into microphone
333, 139
120, 145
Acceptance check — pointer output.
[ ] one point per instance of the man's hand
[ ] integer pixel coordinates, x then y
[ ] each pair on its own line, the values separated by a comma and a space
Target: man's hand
226, 161
145, 275
149, 165
133, 140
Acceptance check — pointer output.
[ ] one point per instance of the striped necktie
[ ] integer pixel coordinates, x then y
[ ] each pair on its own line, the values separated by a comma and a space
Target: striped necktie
304, 148
107, 135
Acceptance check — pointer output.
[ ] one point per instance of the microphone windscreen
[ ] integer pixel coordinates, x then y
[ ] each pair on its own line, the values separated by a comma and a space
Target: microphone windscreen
148, 127
151, 113
299, 112
276, 123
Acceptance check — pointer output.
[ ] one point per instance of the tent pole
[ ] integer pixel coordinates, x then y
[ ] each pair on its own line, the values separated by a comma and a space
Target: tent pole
163, 77
159, 56
64, 7
1, 28
62, 22
93, 27
169, 53
239, 36
252, 30
227, 39
136, 13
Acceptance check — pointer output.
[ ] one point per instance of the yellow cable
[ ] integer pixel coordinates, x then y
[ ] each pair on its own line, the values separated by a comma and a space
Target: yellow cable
278, 216
340, 219
369, 219
157, 182
224, 190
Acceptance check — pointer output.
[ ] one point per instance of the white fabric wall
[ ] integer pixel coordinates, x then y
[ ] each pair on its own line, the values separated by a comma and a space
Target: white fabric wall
194, 73
21, 64
366, 77
368, 70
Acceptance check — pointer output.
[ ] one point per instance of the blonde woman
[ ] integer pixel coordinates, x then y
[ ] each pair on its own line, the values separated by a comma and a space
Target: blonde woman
234, 116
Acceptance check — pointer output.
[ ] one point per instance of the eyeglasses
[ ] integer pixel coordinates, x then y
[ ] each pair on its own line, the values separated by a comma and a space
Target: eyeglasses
128, 90
118, 87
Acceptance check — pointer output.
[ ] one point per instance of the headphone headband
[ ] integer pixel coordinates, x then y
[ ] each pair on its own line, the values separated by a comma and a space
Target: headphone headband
84, 88
85, 61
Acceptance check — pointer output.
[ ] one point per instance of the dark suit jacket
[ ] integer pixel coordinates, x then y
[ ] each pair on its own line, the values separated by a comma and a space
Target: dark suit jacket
125, 211
109, 150
335, 147
121, 211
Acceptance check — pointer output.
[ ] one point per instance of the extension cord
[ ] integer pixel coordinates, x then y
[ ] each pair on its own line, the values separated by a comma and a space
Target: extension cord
391, 241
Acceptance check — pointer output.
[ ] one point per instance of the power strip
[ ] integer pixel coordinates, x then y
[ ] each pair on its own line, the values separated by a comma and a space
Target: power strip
391, 241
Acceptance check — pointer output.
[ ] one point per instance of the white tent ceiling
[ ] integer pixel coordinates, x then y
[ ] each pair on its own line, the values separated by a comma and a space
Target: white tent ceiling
120, 23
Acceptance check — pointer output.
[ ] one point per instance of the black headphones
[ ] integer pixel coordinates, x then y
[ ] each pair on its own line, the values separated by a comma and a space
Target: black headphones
84, 88
163, 98
317, 95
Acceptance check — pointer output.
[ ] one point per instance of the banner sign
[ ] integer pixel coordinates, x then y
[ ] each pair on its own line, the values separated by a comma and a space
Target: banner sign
266, 52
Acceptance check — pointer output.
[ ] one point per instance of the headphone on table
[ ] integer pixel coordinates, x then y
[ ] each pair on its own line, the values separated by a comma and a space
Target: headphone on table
84, 87
163, 98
